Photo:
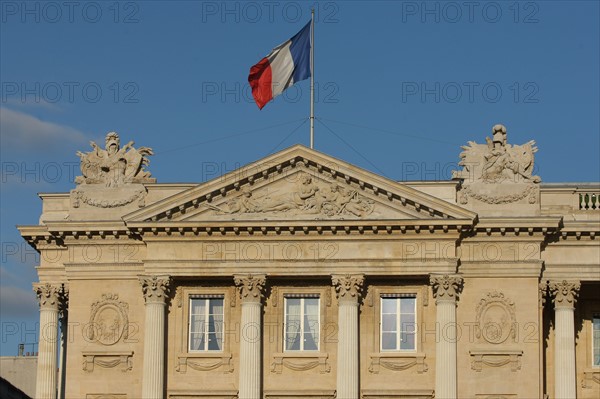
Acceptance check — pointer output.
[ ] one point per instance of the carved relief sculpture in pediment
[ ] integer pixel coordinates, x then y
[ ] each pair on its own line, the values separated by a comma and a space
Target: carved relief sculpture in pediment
497, 172
108, 320
306, 196
113, 176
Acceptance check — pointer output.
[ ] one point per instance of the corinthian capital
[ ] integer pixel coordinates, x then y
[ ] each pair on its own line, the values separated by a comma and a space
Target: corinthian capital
51, 296
446, 287
251, 287
564, 293
348, 287
155, 288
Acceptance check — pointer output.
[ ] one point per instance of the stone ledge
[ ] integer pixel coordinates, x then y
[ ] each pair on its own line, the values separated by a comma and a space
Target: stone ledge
107, 359
300, 361
397, 394
493, 357
205, 361
397, 361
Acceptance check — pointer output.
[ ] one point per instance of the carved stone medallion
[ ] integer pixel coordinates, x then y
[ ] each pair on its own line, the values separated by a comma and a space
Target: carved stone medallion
496, 320
109, 320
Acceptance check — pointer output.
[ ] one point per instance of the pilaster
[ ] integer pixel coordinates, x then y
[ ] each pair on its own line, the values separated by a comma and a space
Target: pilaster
348, 290
156, 293
251, 289
564, 295
446, 289
52, 298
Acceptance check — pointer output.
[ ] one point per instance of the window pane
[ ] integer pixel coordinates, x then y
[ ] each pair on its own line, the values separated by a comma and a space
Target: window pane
292, 341
407, 305
197, 341
407, 341
388, 341
310, 342
311, 306
388, 322
388, 305
407, 322
206, 333
292, 323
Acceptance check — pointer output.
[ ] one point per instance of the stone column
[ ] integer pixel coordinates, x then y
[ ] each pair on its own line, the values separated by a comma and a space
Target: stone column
348, 290
445, 291
251, 290
156, 293
564, 294
51, 297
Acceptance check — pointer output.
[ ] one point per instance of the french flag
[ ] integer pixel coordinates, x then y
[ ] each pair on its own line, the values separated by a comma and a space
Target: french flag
287, 64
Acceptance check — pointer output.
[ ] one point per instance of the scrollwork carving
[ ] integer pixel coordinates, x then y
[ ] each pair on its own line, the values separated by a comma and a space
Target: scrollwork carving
564, 293
51, 296
496, 318
155, 288
348, 287
109, 320
446, 287
251, 288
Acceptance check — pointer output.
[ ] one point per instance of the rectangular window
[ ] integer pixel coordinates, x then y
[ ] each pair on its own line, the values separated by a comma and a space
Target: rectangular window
206, 324
398, 323
301, 330
596, 339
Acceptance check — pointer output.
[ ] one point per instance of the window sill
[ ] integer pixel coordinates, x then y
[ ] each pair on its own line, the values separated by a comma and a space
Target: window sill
205, 361
107, 359
300, 361
397, 361
493, 357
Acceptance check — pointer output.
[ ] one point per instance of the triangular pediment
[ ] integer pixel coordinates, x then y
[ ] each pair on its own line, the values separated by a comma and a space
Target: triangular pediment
299, 183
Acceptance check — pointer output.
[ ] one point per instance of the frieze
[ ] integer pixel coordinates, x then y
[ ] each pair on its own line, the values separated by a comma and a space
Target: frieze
306, 197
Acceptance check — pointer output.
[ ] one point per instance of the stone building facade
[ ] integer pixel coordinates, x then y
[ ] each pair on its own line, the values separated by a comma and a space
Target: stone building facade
303, 276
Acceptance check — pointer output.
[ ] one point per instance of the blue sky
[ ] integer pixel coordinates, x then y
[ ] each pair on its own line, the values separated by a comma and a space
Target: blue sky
401, 86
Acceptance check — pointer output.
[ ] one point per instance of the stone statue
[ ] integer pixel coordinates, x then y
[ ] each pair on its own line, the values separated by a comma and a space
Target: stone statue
114, 166
497, 172
497, 161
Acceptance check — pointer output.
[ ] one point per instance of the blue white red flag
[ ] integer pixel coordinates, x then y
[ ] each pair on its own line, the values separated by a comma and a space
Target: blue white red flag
287, 64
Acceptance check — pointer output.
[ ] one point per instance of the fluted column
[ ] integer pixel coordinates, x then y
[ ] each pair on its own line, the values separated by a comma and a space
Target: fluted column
348, 290
445, 291
564, 294
251, 290
156, 293
51, 297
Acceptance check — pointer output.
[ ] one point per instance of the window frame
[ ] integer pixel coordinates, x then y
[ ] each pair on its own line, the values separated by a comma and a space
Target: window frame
302, 297
398, 296
595, 315
207, 298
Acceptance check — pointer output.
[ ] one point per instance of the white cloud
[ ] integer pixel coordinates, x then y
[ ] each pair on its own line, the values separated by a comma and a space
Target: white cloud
21, 131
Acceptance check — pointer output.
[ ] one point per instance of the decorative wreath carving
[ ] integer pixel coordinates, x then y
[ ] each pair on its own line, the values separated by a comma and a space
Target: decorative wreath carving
109, 322
496, 320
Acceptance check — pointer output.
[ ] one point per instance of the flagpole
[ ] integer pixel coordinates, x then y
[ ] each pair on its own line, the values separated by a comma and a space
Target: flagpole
312, 78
